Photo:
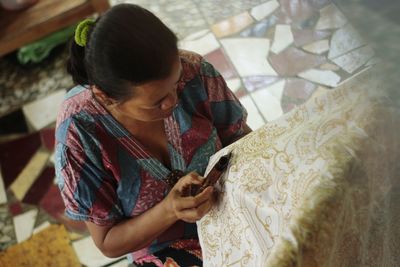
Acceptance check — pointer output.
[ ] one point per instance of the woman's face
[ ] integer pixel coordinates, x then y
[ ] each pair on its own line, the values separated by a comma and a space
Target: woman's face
154, 100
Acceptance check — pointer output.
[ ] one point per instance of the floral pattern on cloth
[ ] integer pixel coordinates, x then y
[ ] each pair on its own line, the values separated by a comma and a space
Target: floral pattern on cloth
316, 187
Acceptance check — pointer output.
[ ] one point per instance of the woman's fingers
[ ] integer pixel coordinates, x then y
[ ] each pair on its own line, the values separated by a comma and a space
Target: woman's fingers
194, 214
193, 202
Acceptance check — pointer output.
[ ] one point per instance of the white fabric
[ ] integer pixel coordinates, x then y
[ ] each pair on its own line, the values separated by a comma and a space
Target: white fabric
316, 187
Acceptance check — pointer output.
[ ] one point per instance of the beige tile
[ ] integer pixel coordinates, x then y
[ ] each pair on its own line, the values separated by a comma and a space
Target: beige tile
232, 25
23, 225
354, 59
29, 174
330, 18
254, 119
268, 100
329, 66
43, 112
317, 47
324, 77
249, 55
264, 10
282, 39
202, 42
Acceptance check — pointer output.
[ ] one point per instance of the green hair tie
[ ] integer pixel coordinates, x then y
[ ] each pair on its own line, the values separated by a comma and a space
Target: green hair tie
81, 32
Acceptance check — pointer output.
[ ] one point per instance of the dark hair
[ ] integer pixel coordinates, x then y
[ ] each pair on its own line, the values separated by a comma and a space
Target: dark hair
128, 45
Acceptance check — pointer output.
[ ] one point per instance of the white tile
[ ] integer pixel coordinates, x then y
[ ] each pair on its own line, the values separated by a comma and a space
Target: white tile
254, 119
203, 43
344, 40
317, 47
355, 59
196, 35
282, 39
264, 10
44, 111
330, 18
373, 61
41, 227
249, 55
268, 100
89, 254
3, 194
324, 77
234, 84
23, 225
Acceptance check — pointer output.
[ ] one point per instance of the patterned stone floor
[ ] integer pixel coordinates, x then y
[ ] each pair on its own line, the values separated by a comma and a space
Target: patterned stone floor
274, 55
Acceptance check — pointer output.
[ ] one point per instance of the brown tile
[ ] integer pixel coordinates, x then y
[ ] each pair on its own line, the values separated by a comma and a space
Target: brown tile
48, 138
12, 161
253, 83
219, 60
40, 186
302, 37
292, 61
232, 25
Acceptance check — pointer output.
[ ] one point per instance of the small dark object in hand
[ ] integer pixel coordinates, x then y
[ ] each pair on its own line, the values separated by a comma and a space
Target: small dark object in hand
212, 176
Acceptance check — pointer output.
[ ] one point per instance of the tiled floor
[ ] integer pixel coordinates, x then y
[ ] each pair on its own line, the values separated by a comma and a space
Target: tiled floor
274, 55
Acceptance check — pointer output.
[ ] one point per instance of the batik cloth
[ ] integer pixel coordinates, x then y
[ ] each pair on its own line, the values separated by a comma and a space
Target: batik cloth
105, 175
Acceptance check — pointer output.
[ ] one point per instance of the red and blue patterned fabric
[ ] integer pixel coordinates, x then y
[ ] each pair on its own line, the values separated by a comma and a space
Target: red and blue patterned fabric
106, 176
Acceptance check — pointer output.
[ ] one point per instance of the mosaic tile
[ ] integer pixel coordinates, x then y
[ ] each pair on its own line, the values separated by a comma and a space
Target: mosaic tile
203, 44
254, 119
3, 194
268, 100
219, 60
23, 84
329, 66
122, 263
12, 161
50, 247
318, 4
47, 137
318, 47
41, 227
344, 40
308, 23
296, 92
40, 186
234, 84
302, 37
249, 55
232, 25
297, 10
321, 90
24, 224
292, 61
354, 59
373, 61
253, 83
15, 208
261, 28
43, 112
89, 255
330, 18
324, 77
29, 174
264, 10
13, 123
282, 39
7, 234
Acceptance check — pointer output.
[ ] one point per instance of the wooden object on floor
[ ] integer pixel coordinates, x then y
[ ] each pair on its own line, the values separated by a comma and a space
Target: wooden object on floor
18, 28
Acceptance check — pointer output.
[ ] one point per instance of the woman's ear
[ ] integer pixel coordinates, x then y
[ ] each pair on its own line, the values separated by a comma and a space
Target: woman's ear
102, 97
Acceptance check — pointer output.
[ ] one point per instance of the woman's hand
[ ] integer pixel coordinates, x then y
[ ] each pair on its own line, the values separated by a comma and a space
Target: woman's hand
189, 208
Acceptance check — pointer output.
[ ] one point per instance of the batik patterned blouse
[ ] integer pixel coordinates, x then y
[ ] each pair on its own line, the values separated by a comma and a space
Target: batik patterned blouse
106, 176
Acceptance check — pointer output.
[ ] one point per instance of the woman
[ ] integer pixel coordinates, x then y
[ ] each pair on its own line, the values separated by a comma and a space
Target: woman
143, 113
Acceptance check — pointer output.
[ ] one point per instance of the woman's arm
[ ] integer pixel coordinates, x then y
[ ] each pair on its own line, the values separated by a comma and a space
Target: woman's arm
136, 233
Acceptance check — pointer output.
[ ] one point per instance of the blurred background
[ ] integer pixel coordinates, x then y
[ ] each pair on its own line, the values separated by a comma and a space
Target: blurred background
274, 55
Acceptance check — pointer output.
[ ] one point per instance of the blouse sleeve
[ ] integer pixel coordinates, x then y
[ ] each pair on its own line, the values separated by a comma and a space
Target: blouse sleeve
228, 114
88, 191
